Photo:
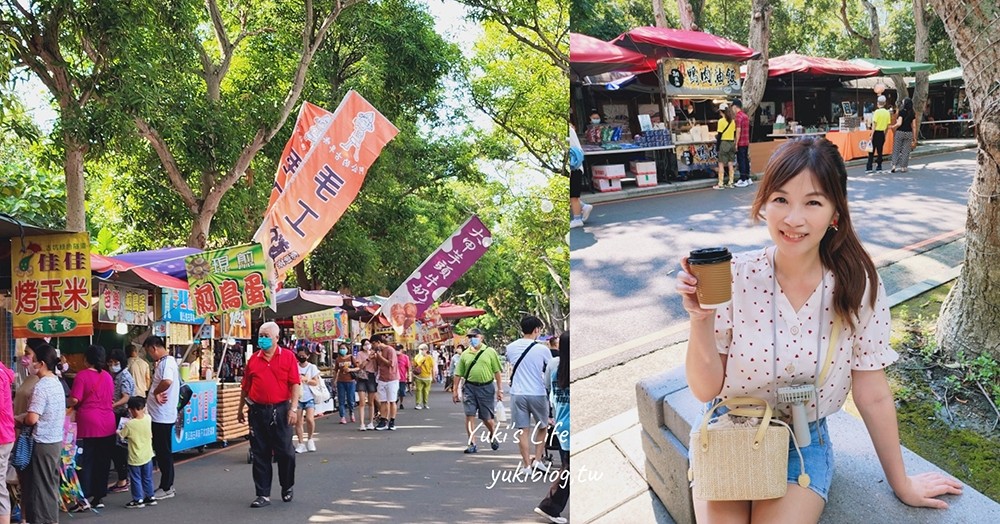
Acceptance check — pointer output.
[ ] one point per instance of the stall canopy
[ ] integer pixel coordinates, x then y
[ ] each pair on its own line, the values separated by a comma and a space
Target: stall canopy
169, 261
118, 271
451, 311
294, 301
794, 63
589, 56
664, 42
949, 75
892, 67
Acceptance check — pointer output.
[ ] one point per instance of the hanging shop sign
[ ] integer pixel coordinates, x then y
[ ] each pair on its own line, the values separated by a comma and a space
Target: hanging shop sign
439, 271
321, 326
230, 279
51, 283
177, 307
682, 77
179, 334
236, 324
122, 304
321, 172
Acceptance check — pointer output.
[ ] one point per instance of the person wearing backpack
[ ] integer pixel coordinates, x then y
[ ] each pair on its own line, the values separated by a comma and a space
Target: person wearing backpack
529, 399
480, 367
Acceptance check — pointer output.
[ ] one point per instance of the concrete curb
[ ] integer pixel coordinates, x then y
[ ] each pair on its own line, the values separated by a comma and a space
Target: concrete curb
691, 185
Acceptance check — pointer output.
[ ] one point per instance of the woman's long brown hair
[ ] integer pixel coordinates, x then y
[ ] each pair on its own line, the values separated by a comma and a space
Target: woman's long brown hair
840, 251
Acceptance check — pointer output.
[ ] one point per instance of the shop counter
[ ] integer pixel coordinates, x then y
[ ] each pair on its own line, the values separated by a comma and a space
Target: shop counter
196, 423
849, 144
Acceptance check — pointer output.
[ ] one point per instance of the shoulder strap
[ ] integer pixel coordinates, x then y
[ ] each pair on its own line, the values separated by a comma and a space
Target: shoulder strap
478, 354
831, 353
518, 363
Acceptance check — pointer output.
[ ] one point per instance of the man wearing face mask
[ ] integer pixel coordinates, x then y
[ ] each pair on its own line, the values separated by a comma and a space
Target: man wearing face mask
271, 386
480, 367
388, 382
345, 377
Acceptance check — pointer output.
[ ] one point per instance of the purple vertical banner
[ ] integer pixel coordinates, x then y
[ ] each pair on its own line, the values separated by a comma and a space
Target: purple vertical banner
429, 281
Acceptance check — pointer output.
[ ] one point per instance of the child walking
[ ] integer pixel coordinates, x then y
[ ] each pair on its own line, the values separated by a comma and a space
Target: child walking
139, 432
815, 288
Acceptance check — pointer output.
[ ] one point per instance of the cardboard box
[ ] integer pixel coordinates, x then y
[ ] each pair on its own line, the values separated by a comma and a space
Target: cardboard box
642, 168
609, 171
607, 185
645, 180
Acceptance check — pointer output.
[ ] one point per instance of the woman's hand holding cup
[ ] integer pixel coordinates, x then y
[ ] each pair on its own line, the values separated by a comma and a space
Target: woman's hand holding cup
687, 288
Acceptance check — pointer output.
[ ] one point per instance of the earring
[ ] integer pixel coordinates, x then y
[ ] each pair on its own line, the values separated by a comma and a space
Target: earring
833, 225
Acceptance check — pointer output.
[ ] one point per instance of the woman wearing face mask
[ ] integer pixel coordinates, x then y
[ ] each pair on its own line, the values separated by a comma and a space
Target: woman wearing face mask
346, 368
124, 390
366, 383
46, 411
308, 376
92, 395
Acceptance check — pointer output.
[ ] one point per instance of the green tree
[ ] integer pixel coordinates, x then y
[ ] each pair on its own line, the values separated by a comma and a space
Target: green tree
32, 188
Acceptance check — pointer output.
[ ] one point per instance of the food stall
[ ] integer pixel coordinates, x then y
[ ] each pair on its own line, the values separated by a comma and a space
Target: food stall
693, 70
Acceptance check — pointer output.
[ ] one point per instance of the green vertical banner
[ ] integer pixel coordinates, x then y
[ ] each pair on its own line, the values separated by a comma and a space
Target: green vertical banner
229, 279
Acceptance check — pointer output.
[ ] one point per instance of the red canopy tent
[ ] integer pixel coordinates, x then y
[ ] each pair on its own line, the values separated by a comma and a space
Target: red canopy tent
664, 42
119, 271
816, 66
589, 56
450, 311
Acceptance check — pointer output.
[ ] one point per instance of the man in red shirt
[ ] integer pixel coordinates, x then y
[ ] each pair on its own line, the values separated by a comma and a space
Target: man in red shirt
403, 364
742, 144
271, 387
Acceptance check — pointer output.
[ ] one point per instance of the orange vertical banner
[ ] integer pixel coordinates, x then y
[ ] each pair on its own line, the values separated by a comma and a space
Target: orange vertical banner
320, 185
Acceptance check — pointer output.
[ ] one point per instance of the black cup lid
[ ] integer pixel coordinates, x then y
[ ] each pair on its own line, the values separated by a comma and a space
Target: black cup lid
710, 255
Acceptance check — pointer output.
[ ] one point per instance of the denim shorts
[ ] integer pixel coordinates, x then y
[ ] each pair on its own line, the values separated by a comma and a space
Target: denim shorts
818, 459
311, 403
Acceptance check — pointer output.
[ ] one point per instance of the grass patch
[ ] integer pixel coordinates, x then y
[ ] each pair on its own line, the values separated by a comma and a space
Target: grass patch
943, 415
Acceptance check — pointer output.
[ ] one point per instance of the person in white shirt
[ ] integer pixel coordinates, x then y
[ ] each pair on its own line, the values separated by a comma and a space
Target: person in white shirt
161, 405
309, 375
528, 358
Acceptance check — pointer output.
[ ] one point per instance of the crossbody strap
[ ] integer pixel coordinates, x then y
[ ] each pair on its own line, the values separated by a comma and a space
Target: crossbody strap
478, 354
518, 363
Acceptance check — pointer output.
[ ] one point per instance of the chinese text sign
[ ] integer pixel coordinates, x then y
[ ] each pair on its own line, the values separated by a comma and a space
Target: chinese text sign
229, 279
51, 283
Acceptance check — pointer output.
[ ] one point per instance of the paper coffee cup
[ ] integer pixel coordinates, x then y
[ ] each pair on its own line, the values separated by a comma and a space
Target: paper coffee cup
712, 268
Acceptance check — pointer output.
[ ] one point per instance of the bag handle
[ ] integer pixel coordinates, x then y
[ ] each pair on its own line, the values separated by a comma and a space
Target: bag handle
518, 363
763, 410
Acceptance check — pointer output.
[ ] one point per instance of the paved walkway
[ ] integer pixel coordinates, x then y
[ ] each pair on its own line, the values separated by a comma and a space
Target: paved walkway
613, 448
415, 474
924, 148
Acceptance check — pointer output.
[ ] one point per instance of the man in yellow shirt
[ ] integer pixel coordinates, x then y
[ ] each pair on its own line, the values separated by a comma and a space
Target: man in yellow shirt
880, 122
423, 371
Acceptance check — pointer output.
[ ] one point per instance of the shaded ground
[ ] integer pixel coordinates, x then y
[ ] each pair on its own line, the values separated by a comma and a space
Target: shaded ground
944, 414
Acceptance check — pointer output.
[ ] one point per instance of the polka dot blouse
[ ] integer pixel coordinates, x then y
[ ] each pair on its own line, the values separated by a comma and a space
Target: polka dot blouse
743, 331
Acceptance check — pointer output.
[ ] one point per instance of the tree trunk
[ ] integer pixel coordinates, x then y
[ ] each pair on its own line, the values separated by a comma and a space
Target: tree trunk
659, 14
760, 37
76, 215
688, 21
968, 320
921, 46
301, 277
200, 227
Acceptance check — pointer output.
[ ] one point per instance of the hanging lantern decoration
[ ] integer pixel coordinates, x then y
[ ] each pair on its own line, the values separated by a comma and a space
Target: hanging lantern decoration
879, 88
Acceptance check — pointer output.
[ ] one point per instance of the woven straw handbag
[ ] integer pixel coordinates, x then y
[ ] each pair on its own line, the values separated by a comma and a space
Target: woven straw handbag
742, 463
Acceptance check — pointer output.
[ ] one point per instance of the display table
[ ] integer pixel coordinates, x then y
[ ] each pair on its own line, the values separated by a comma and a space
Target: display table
227, 427
196, 423
850, 148
592, 150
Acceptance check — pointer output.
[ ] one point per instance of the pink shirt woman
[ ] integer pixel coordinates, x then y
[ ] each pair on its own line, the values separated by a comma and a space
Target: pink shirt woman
94, 390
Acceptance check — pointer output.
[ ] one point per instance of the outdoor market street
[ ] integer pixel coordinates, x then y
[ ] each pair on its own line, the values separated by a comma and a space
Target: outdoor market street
417, 473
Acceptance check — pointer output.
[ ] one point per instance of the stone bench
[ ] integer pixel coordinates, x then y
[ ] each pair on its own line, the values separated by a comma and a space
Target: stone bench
859, 492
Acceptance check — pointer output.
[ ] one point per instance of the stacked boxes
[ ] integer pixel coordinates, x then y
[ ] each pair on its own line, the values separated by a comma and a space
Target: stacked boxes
608, 177
645, 173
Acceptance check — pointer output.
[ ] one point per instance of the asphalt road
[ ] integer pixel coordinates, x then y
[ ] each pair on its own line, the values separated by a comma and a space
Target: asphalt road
415, 474
623, 262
